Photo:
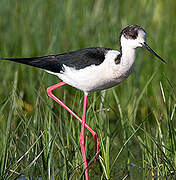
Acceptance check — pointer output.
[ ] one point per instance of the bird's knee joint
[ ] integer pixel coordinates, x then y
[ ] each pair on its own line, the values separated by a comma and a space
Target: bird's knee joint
49, 91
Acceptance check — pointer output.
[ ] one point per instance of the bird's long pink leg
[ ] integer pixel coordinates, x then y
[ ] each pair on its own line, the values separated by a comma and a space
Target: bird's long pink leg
81, 139
51, 95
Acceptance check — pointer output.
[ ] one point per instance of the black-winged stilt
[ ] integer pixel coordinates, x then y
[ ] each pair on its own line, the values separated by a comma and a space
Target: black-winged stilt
92, 69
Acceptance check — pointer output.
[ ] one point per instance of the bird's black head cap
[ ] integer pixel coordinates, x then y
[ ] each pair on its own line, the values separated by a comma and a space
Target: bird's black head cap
131, 32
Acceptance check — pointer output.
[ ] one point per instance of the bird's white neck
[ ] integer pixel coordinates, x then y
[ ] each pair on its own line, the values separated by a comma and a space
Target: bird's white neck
128, 56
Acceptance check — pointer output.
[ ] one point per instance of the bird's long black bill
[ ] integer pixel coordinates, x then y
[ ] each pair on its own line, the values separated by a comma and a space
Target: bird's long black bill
144, 45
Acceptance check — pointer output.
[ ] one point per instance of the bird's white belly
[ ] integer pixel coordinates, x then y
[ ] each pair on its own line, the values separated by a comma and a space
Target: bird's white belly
88, 79
94, 77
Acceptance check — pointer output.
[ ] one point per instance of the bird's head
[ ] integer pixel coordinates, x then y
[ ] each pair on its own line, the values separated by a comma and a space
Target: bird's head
133, 36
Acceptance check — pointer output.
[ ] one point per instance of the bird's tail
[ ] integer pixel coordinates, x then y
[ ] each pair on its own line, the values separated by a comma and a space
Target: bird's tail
45, 62
36, 62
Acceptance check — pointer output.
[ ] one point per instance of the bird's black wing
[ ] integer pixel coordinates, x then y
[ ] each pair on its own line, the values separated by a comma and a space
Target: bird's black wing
77, 59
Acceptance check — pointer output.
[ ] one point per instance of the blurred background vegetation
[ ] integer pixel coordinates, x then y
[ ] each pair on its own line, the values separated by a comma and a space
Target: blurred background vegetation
135, 121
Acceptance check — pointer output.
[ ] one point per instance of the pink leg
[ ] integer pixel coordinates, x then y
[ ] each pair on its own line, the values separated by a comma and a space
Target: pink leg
51, 95
81, 139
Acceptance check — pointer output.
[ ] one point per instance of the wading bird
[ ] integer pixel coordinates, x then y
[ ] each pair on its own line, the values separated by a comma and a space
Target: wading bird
92, 69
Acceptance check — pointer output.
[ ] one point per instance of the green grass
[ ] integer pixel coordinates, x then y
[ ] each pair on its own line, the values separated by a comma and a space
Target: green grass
135, 121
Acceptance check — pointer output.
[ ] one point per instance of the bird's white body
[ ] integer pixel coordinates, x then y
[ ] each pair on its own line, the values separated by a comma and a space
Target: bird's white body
103, 76
106, 75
